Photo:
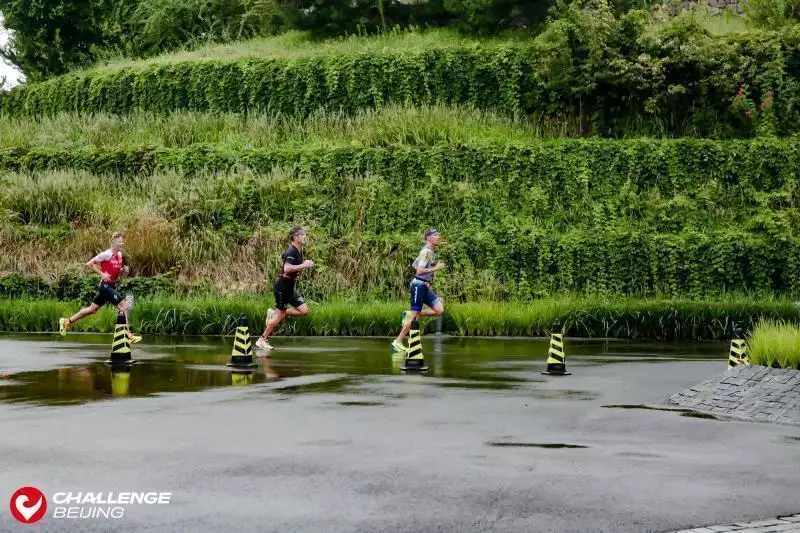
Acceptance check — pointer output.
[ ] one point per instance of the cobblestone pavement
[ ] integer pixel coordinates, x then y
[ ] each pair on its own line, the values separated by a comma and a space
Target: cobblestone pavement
785, 523
753, 393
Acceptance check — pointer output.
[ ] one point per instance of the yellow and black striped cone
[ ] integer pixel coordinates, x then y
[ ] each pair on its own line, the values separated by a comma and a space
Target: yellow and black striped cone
556, 357
242, 379
121, 345
738, 352
120, 380
415, 360
242, 353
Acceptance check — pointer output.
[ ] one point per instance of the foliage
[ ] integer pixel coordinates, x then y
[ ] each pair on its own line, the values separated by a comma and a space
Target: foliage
775, 342
52, 36
610, 74
773, 13
73, 285
684, 217
628, 318
49, 35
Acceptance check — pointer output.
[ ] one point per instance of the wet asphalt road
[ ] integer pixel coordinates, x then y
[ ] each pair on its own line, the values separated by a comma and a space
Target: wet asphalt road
341, 451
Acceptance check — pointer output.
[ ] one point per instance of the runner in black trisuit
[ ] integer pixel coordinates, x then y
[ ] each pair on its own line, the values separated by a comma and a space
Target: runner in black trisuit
285, 292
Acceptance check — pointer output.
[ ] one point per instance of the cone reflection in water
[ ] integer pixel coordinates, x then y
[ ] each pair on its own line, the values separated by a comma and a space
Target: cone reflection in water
242, 379
120, 380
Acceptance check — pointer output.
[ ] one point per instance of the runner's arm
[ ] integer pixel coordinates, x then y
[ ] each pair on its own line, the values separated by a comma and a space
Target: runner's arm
292, 263
93, 264
422, 261
422, 270
288, 268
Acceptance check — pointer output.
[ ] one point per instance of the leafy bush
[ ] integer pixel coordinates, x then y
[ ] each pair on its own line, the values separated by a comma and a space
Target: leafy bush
611, 74
682, 217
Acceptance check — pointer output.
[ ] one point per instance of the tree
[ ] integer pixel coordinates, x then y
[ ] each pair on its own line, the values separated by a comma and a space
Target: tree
50, 36
493, 16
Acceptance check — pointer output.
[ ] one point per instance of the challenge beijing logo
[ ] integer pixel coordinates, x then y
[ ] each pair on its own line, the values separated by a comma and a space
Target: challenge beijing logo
28, 505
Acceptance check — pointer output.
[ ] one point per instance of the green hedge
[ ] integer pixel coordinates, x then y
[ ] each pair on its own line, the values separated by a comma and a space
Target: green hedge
633, 217
565, 166
512, 263
622, 76
473, 75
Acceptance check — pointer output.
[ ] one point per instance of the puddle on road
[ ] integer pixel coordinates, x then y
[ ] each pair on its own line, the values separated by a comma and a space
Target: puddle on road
690, 413
548, 445
175, 364
639, 455
697, 414
480, 385
564, 394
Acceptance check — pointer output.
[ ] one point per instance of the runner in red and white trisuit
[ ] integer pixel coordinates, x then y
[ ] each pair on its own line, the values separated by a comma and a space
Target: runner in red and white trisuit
109, 265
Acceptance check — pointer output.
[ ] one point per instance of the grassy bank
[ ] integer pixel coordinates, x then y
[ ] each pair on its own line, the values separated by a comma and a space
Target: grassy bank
775, 343
612, 75
683, 218
301, 45
627, 318
395, 125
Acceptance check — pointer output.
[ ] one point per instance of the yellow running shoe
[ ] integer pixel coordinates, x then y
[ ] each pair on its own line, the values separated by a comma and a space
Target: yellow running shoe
134, 338
397, 346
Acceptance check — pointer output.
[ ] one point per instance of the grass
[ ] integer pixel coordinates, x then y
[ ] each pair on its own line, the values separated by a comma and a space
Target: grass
297, 44
581, 316
229, 229
391, 125
775, 343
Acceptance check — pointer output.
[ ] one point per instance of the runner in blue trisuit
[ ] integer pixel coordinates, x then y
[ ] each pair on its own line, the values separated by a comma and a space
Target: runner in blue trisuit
421, 292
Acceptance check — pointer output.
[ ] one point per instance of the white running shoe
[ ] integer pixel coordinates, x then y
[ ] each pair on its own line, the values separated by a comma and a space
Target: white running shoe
263, 344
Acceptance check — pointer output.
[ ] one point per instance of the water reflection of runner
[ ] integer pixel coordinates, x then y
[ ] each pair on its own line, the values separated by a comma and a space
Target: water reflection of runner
270, 372
292, 263
421, 292
109, 265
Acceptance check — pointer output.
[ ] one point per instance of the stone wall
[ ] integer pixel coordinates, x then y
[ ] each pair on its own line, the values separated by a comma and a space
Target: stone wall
754, 393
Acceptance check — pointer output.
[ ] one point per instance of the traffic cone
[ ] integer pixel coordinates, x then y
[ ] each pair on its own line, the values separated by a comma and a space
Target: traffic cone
121, 345
415, 361
120, 380
242, 353
738, 352
556, 358
242, 378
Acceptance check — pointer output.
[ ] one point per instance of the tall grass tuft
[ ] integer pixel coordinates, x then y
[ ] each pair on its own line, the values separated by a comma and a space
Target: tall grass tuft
775, 343
389, 125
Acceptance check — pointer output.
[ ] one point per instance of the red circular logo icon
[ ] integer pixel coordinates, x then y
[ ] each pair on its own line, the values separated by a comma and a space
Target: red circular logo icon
28, 505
